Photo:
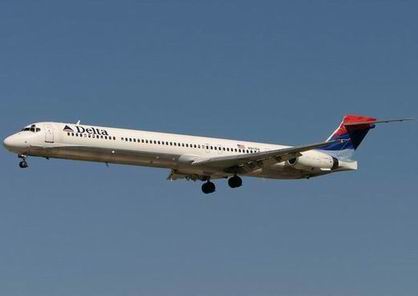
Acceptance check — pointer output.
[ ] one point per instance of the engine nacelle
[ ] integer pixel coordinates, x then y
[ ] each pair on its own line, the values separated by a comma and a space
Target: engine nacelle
313, 162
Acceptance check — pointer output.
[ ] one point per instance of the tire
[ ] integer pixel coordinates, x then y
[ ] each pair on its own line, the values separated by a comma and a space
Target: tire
235, 182
208, 187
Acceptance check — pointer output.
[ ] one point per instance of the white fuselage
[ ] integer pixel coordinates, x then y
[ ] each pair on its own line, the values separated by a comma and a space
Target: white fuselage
154, 149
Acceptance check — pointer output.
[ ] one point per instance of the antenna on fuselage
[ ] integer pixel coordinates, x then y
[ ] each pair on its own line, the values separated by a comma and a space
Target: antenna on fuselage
78, 122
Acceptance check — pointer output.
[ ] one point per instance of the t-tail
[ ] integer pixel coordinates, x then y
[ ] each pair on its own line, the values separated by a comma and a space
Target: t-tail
350, 133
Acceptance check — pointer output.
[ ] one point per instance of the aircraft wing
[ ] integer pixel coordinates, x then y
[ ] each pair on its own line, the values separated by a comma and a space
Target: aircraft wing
234, 163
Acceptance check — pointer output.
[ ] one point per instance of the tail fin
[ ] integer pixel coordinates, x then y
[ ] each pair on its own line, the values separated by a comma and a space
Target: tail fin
351, 132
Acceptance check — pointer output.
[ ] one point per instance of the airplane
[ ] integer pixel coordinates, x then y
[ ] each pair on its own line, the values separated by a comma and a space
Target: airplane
192, 157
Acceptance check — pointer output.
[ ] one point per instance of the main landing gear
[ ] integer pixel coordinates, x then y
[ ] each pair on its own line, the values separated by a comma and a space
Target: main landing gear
208, 187
233, 182
23, 163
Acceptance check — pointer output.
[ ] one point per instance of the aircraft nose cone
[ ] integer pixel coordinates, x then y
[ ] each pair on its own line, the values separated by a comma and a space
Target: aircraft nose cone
8, 142
15, 143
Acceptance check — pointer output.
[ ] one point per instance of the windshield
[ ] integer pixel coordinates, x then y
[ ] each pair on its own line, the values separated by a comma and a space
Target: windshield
33, 128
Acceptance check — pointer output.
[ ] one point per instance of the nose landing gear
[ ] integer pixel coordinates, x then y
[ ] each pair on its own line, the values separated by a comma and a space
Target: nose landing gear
23, 163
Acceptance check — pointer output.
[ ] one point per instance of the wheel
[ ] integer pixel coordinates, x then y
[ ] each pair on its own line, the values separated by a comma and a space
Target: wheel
235, 182
208, 187
23, 164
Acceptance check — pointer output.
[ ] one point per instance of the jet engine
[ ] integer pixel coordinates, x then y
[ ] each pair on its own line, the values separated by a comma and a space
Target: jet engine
310, 163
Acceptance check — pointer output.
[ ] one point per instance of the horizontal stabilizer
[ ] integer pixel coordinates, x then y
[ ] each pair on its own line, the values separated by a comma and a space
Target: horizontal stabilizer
377, 121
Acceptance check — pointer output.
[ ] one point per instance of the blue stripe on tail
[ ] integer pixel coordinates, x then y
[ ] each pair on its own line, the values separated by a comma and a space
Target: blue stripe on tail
351, 136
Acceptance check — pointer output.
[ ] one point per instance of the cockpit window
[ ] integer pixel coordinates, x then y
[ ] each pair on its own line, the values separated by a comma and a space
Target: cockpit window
33, 128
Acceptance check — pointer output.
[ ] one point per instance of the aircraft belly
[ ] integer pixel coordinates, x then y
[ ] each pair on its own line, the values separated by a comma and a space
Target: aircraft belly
107, 156
278, 173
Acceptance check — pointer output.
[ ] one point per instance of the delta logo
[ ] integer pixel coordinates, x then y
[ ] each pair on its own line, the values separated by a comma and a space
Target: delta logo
86, 130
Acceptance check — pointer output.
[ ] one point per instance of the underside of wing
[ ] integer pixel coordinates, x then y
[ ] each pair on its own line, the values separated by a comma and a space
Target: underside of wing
248, 162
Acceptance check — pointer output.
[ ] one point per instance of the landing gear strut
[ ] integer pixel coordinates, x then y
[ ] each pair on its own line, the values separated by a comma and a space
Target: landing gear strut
208, 187
23, 164
235, 182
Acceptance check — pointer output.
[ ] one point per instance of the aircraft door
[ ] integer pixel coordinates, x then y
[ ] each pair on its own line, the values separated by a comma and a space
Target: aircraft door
49, 134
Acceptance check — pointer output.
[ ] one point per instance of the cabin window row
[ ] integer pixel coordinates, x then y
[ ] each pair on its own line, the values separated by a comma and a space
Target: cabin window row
196, 146
91, 136
156, 142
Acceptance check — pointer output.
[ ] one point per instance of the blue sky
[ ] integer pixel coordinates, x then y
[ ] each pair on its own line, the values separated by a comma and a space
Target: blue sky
282, 72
